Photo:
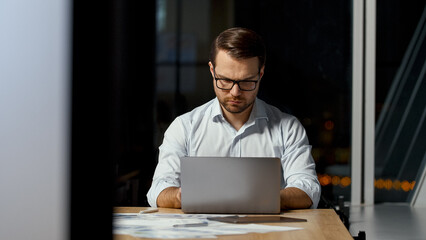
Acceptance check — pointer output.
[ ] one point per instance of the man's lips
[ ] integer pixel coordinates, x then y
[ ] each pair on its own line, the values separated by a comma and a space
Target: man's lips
231, 101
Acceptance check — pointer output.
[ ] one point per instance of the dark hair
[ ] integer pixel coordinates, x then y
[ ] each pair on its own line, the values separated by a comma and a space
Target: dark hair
239, 43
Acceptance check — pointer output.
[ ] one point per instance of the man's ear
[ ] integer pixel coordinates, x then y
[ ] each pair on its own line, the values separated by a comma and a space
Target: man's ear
261, 72
211, 68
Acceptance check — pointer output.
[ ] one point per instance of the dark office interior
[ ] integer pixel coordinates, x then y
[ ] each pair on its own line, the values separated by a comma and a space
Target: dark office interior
129, 81
136, 65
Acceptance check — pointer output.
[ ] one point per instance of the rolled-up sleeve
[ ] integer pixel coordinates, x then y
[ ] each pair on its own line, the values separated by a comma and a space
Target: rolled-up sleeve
297, 162
167, 172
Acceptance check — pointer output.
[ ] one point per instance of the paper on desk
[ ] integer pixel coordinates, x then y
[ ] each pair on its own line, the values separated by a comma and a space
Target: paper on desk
170, 233
161, 226
153, 220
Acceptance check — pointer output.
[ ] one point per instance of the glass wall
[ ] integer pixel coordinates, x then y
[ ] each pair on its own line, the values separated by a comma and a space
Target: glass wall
183, 78
400, 97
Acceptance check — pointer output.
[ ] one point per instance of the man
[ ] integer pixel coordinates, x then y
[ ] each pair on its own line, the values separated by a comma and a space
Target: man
237, 124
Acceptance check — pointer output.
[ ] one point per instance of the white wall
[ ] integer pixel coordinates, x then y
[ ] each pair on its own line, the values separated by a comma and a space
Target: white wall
34, 118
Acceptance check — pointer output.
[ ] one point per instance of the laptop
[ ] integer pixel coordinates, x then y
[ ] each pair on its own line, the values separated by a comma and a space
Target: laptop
230, 185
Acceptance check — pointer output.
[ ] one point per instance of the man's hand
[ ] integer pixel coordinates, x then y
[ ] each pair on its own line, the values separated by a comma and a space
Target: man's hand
170, 198
294, 198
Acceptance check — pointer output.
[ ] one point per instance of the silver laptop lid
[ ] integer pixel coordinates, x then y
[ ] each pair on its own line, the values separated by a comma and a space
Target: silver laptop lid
230, 185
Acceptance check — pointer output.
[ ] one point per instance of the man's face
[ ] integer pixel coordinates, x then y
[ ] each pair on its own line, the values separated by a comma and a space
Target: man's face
236, 101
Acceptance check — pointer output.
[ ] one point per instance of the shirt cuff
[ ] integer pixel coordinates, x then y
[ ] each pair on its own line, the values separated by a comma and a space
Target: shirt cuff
313, 192
156, 189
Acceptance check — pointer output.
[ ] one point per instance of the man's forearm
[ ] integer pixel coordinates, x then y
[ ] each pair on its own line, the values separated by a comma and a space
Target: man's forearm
294, 198
169, 198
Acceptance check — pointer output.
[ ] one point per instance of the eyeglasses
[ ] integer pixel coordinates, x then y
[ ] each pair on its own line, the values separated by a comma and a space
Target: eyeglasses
228, 84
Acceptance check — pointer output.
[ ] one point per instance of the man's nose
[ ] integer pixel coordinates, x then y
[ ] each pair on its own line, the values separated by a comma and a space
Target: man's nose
235, 90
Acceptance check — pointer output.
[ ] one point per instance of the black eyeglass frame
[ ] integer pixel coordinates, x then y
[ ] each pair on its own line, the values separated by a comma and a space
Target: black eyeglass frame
236, 82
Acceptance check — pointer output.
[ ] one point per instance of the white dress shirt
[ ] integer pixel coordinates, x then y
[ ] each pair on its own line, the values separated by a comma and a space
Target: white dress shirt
267, 133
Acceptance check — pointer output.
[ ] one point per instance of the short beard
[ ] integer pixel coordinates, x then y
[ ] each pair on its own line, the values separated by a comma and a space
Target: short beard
238, 110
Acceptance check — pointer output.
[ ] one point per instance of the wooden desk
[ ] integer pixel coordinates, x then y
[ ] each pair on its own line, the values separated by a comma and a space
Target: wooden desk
321, 224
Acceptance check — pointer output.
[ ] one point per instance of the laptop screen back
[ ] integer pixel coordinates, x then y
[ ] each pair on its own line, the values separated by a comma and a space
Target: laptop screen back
230, 185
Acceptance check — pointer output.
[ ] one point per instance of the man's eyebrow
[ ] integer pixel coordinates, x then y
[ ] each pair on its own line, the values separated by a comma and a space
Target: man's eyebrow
247, 78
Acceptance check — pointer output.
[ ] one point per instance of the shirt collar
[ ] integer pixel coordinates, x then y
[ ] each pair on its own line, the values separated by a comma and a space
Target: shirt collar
258, 111
216, 110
